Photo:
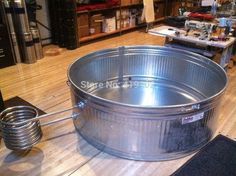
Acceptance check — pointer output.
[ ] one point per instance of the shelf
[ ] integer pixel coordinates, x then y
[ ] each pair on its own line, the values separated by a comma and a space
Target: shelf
119, 31
128, 28
131, 5
96, 36
133, 27
97, 10
100, 35
114, 7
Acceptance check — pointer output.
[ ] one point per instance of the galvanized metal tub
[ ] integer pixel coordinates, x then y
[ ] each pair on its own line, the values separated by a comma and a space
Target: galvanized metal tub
146, 102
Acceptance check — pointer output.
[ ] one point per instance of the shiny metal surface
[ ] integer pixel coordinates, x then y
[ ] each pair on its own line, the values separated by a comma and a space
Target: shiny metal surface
24, 135
37, 43
29, 50
21, 16
23, 32
21, 127
145, 102
12, 30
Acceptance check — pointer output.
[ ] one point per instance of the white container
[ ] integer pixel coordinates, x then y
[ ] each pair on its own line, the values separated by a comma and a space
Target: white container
109, 25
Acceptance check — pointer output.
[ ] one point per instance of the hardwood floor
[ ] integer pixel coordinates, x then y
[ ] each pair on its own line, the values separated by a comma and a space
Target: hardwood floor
62, 151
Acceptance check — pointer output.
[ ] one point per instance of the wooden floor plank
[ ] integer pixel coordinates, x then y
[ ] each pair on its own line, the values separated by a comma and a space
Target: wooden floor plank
62, 151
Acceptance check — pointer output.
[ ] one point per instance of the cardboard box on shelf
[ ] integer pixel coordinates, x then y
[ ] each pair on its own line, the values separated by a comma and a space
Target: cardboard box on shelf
95, 29
83, 31
96, 24
96, 19
109, 24
83, 20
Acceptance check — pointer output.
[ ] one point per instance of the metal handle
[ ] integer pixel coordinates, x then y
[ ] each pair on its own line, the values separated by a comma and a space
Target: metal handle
57, 120
46, 116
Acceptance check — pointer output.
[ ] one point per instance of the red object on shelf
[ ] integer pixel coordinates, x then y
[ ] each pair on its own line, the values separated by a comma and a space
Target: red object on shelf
109, 3
201, 16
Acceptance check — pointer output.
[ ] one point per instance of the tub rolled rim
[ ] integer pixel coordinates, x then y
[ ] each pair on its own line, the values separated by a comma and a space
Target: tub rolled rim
203, 59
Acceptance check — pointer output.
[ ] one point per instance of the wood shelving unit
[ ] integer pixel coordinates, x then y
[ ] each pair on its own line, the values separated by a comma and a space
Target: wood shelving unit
120, 30
98, 10
100, 35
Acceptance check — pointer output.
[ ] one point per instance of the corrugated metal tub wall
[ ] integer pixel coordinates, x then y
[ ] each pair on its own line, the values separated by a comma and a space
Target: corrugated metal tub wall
145, 102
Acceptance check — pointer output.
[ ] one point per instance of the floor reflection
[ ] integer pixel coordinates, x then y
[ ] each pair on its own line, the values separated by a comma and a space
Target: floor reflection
22, 162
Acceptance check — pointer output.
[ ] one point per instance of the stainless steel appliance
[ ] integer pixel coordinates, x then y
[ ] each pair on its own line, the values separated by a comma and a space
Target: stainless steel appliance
9, 14
37, 42
23, 31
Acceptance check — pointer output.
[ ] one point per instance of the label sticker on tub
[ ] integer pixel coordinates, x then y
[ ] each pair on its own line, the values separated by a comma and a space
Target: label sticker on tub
193, 118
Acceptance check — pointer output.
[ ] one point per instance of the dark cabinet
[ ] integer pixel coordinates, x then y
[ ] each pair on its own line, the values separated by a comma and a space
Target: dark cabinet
6, 56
